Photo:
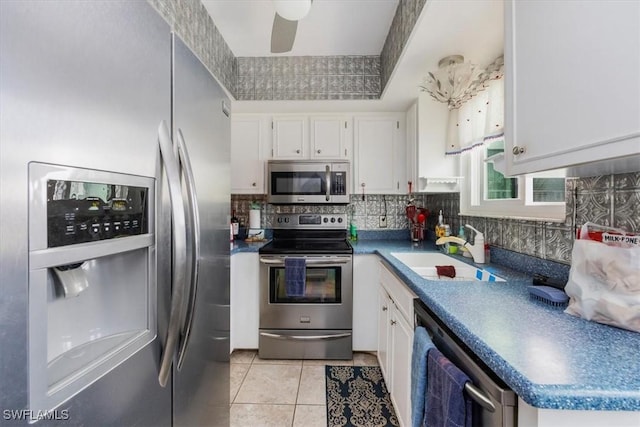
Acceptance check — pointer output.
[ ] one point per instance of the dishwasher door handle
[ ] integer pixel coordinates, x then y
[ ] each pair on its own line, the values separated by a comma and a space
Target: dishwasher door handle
479, 397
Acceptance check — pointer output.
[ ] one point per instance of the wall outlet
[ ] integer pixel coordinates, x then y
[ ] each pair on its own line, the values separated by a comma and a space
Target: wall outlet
382, 221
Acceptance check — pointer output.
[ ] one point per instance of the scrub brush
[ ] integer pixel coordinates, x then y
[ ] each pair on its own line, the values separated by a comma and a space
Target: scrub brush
551, 296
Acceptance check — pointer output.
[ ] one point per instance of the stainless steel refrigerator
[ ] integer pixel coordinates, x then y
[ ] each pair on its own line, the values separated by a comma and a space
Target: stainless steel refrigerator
114, 207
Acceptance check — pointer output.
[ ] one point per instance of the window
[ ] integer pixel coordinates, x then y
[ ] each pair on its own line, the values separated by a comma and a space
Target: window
497, 185
487, 192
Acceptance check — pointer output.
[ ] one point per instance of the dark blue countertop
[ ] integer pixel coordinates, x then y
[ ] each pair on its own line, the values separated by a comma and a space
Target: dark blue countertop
549, 358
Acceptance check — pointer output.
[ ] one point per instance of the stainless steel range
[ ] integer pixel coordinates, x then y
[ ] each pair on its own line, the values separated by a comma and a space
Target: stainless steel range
306, 289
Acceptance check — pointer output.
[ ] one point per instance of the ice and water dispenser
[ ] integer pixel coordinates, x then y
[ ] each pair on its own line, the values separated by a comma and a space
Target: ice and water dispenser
92, 285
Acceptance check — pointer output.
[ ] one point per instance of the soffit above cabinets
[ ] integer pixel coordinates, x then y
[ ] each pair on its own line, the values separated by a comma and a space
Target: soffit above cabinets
472, 28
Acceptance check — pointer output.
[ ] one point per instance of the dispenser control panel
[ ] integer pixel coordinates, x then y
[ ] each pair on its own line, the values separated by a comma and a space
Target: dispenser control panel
80, 212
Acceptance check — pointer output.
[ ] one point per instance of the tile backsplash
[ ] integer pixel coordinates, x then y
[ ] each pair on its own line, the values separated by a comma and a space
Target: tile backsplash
365, 213
612, 200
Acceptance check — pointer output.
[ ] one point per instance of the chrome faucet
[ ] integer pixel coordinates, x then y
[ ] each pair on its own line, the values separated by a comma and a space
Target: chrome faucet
476, 250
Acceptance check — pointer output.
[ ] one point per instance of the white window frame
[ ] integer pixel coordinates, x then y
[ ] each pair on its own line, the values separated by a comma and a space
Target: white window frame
473, 201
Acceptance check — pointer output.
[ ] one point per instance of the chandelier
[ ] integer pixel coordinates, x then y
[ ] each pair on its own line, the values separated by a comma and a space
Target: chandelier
456, 81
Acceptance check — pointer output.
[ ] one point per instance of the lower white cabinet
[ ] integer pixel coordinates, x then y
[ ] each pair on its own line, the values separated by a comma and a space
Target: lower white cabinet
395, 340
365, 283
245, 306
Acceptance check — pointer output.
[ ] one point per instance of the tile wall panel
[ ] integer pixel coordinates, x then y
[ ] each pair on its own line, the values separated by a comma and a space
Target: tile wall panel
290, 77
190, 20
612, 200
403, 22
308, 77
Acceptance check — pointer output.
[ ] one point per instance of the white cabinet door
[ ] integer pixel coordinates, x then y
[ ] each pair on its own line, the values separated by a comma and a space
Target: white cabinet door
395, 327
247, 164
290, 137
572, 85
379, 157
365, 285
402, 344
428, 168
384, 332
245, 305
327, 137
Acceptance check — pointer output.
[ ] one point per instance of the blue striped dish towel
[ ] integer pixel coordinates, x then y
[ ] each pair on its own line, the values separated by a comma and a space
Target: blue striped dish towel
421, 346
295, 276
446, 403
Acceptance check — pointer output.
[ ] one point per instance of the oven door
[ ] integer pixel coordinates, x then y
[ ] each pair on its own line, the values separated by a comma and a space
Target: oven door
325, 302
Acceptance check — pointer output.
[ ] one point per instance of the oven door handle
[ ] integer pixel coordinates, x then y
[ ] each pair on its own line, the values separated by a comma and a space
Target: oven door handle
305, 337
323, 261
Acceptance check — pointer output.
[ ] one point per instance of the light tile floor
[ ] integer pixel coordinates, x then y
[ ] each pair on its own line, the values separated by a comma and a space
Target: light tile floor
281, 393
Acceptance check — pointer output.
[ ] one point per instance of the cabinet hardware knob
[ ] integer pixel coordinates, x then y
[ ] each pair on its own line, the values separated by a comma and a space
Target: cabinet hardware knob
393, 322
253, 184
362, 185
297, 151
518, 150
384, 308
318, 151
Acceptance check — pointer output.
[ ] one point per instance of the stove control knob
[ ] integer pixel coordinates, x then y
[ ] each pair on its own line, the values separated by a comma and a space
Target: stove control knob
333, 219
279, 220
286, 219
325, 219
339, 220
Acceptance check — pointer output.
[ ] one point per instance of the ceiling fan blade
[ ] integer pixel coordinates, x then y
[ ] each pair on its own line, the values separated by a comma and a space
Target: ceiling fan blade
283, 34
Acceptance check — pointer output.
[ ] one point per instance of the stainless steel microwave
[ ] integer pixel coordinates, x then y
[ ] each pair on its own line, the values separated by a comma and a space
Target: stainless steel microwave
308, 182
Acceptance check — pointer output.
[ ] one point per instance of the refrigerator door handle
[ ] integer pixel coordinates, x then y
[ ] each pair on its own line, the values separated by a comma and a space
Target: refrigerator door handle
185, 162
179, 237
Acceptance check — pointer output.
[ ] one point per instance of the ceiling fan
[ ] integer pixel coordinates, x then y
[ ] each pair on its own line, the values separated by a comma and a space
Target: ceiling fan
285, 23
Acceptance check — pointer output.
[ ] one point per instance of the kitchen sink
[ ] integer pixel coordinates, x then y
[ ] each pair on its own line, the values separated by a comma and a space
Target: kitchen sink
424, 264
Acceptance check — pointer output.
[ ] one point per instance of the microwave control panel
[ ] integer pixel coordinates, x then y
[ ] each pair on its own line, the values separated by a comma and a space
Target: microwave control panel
338, 183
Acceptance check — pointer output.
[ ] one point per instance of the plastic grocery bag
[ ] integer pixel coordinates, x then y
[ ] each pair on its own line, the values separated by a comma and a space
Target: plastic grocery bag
604, 281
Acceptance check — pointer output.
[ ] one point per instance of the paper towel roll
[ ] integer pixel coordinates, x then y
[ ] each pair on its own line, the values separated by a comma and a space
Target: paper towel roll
254, 218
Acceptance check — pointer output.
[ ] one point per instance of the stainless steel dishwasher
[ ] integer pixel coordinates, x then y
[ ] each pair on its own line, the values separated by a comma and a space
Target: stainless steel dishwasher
494, 403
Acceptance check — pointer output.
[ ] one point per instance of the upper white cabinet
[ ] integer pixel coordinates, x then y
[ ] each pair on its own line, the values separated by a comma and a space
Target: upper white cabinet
379, 154
328, 137
290, 137
572, 86
248, 138
428, 168
310, 137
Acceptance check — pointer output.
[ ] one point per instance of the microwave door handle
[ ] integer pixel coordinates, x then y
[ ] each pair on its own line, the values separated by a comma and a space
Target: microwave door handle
190, 298
328, 176
179, 240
